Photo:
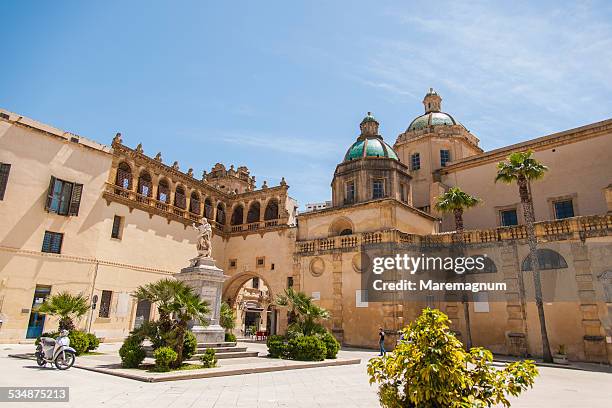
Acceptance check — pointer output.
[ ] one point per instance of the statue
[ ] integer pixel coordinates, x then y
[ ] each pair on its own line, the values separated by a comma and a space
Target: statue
204, 239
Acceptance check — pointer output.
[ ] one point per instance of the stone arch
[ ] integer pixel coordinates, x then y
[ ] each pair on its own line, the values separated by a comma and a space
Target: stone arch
220, 216
341, 226
254, 212
489, 265
237, 215
237, 281
547, 259
271, 212
124, 176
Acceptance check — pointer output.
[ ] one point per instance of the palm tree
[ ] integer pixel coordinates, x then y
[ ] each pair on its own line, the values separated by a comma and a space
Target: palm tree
306, 313
455, 201
161, 293
522, 168
227, 318
67, 306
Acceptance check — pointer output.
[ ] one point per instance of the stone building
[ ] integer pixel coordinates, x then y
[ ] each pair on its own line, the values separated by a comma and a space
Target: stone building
102, 220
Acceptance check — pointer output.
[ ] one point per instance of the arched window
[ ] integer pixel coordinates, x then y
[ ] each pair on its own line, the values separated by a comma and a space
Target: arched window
253, 214
237, 215
144, 184
341, 226
180, 200
346, 231
124, 176
208, 209
489, 265
220, 219
271, 212
194, 203
163, 191
548, 259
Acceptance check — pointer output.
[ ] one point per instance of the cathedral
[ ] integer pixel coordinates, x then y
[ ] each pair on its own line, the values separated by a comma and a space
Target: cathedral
101, 220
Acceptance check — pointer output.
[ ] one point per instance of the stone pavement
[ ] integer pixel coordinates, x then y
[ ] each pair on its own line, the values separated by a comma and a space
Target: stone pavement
344, 386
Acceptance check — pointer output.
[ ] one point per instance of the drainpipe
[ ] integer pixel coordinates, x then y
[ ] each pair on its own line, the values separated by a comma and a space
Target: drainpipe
93, 287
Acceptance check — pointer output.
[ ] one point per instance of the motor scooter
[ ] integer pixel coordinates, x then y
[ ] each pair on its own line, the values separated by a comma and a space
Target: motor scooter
56, 351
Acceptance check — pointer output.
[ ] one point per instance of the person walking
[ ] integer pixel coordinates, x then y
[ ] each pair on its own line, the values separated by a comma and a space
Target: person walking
381, 341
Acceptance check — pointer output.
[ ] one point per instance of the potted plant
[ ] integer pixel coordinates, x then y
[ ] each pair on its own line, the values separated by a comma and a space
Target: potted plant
560, 357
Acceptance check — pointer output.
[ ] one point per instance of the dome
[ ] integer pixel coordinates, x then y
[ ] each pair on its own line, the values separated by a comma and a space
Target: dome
370, 147
432, 119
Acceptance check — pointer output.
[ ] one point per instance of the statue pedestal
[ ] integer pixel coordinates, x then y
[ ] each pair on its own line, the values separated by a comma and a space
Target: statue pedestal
207, 281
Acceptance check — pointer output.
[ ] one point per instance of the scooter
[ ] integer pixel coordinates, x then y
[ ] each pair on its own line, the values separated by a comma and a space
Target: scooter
56, 351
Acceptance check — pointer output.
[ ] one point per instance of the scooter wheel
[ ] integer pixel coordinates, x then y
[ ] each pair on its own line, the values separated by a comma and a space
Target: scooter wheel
40, 361
65, 363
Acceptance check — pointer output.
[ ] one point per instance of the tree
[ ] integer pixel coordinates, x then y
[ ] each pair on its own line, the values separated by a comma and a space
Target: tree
174, 299
67, 306
430, 369
521, 168
307, 314
455, 201
227, 318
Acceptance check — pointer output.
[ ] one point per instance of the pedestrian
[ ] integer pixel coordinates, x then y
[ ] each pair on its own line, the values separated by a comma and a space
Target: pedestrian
381, 341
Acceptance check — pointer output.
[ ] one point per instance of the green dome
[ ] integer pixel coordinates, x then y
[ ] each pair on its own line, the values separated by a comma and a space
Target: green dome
370, 147
432, 119
369, 118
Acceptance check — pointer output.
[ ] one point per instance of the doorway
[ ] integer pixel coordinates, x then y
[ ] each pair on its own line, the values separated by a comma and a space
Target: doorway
37, 320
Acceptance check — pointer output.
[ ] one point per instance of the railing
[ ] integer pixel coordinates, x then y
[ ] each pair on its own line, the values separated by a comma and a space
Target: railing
570, 228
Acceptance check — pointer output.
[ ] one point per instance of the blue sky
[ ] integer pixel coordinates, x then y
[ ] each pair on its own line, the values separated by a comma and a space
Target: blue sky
281, 86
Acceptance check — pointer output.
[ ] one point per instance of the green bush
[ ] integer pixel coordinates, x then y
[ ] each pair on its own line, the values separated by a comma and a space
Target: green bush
163, 357
94, 342
79, 341
230, 337
331, 344
306, 348
434, 370
277, 348
190, 344
209, 359
131, 352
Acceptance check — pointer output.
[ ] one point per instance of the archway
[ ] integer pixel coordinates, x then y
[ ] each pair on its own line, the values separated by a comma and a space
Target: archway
251, 298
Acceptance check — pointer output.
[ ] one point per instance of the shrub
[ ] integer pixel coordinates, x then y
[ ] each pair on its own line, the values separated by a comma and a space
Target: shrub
277, 348
190, 344
131, 352
434, 370
208, 359
79, 341
331, 344
306, 348
163, 357
230, 337
94, 342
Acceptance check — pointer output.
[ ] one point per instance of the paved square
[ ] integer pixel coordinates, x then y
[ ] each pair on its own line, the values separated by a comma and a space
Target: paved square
317, 387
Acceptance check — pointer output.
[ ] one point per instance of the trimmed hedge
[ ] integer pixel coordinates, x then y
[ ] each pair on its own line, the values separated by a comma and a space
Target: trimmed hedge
306, 348
331, 344
163, 357
131, 352
94, 342
190, 344
209, 359
277, 348
230, 337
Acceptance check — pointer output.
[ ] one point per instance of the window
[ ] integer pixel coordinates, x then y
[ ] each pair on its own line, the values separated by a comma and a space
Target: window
4, 175
415, 161
117, 224
508, 217
378, 189
289, 282
444, 157
403, 195
233, 263
261, 262
63, 197
52, 242
105, 302
547, 259
255, 283
350, 192
272, 267
564, 209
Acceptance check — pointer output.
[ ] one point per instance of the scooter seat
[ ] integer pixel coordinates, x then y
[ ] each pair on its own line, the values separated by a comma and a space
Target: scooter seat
47, 341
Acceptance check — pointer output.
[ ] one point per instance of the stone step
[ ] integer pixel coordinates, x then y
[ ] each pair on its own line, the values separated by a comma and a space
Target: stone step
221, 356
221, 344
221, 349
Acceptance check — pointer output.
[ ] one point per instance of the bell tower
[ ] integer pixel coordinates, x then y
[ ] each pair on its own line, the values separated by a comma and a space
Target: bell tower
432, 101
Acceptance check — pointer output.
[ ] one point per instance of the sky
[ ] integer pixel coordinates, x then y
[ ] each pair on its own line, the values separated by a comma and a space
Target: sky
281, 86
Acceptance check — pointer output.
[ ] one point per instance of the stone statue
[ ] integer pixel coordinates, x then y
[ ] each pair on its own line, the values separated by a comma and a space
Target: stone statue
204, 238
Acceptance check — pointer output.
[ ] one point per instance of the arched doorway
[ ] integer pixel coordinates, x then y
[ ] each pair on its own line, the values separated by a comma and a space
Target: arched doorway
251, 298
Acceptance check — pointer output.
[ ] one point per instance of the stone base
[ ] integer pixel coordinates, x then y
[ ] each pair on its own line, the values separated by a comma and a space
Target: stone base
209, 334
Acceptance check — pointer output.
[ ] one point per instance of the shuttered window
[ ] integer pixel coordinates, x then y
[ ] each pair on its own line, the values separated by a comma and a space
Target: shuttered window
105, 303
4, 175
52, 242
116, 231
64, 197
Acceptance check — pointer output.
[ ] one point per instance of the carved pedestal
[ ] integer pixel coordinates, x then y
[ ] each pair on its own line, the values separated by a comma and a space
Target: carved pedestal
207, 281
